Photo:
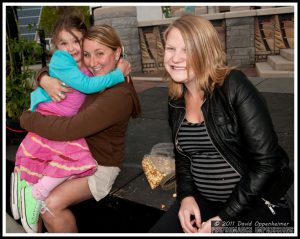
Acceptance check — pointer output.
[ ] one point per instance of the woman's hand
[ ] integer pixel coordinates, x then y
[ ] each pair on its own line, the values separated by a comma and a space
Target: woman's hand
206, 226
55, 88
124, 66
189, 215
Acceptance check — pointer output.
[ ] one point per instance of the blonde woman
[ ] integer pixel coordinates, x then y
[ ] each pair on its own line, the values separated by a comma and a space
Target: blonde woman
229, 166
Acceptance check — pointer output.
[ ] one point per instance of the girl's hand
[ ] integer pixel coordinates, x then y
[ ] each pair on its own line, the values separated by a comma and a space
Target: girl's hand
206, 226
124, 66
189, 215
55, 88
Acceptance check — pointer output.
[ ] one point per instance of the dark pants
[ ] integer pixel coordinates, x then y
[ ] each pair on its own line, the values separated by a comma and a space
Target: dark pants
169, 222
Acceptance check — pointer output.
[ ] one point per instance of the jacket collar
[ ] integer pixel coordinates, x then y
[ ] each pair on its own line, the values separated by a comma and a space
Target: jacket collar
180, 102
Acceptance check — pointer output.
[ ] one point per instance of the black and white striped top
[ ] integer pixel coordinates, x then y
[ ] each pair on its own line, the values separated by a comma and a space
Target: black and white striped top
212, 174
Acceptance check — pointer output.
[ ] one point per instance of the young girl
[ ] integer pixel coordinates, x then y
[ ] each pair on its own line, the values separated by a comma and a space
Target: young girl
42, 164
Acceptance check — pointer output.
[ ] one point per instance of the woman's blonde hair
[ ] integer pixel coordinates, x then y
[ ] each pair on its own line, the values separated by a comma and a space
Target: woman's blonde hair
205, 54
105, 35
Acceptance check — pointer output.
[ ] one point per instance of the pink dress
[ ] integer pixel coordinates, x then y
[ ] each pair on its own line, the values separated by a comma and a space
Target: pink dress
37, 156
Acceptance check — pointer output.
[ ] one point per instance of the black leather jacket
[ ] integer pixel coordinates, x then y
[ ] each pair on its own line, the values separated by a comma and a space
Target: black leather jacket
240, 127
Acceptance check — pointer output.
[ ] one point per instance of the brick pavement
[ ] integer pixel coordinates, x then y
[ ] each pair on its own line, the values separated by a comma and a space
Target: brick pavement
142, 85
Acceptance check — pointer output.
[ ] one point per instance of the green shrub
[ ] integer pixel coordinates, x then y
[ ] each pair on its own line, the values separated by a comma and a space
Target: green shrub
20, 54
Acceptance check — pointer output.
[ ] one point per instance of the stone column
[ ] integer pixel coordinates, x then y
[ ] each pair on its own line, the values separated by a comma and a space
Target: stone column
124, 20
240, 41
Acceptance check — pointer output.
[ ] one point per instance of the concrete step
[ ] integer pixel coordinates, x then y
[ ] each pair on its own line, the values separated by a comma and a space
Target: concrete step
147, 78
264, 70
279, 63
287, 54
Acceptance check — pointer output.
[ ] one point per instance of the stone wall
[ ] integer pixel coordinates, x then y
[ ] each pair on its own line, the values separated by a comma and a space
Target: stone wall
124, 20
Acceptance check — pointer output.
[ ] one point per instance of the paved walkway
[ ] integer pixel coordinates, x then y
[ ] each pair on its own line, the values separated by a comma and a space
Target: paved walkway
152, 128
275, 85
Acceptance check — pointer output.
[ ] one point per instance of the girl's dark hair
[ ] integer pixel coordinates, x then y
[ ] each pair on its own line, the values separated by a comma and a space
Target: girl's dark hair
68, 23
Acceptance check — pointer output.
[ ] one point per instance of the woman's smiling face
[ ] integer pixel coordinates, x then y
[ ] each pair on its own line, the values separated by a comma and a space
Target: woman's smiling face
99, 58
175, 57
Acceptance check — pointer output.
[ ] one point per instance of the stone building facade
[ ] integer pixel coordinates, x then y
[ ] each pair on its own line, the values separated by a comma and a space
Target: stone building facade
248, 34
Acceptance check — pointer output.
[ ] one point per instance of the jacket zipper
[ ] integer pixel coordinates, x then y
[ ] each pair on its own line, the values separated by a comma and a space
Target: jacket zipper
175, 139
216, 147
177, 144
270, 206
221, 153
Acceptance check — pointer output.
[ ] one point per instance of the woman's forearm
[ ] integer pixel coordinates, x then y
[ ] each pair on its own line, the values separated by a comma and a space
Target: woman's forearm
50, 127
41, 73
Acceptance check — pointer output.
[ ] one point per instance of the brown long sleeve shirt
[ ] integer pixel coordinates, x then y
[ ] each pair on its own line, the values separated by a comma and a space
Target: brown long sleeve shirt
102, 120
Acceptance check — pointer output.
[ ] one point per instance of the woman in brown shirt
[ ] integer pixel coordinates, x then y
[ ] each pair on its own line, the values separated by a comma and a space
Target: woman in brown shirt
102, 120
